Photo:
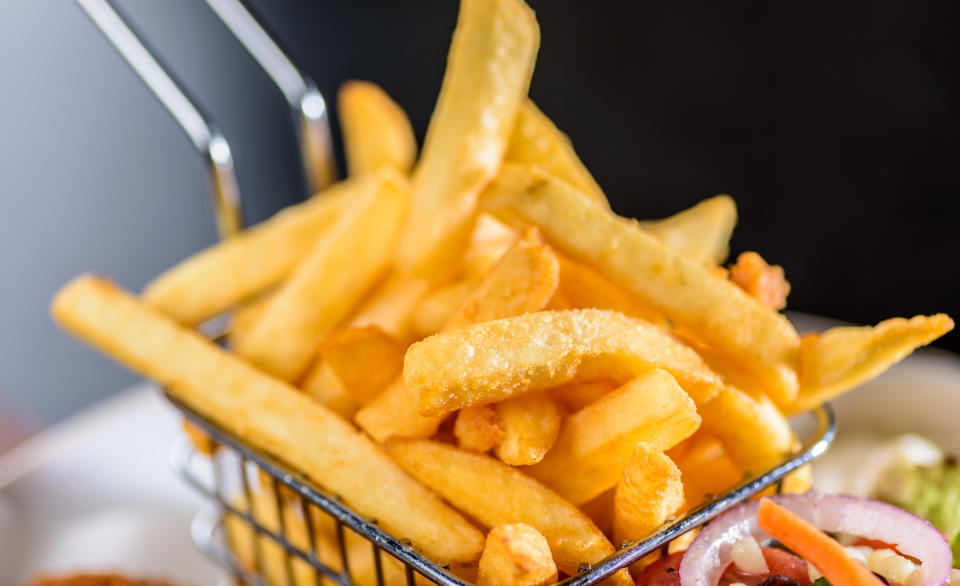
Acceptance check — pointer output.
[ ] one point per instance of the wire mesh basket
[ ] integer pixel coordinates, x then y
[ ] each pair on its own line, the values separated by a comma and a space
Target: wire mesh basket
269, 525
318, 538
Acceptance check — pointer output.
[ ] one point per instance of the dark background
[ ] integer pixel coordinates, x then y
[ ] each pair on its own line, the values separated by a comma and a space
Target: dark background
834, 127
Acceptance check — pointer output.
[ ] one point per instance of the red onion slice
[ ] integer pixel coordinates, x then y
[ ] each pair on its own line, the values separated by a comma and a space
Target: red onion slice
709, 554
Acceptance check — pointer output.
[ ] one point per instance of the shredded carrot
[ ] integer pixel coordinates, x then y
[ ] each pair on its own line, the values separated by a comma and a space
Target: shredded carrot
814, 545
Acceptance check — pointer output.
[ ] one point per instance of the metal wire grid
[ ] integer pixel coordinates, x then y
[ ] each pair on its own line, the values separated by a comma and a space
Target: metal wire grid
227, 479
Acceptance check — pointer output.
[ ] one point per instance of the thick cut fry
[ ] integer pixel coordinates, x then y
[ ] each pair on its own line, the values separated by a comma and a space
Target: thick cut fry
705, 468
584, 288
390, 305
488, 72
523, 280
841, 358
701, 233
596, 442
648, 493
576, 396
212, 281
600, 510
530, 423
438, 307
752, 429
489, 241
491, 361
376, 130
688, 293
516, 555
268, 413
328, 283
494, 493
364, 359
478, 428
245, 316
537, 141
763, 282
323, 385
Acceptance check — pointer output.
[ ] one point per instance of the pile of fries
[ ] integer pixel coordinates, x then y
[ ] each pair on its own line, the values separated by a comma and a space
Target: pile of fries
471, 347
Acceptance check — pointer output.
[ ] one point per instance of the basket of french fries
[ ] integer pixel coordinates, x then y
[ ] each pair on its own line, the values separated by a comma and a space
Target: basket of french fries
463, 367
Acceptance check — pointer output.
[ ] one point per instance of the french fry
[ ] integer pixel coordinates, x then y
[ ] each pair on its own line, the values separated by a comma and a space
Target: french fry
763, 282
376, 131
530, 424
523, 280
489, 241
841, 358
688, 293
325, 286
215, 279
323, 384
435, 309
390, 305
488, 72
596, 443
576, 396
752, 429
585, 288
364, 359
478, 428
491, 361
494, 493
537, 141
600, 510
270, 414
705, 468
244, 317
701, 233
648, 493
516, 555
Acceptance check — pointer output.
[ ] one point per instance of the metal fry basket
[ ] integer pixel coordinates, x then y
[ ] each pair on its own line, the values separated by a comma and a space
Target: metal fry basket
268, 524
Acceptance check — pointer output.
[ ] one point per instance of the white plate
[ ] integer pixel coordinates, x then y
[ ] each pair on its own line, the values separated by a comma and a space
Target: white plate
96, 492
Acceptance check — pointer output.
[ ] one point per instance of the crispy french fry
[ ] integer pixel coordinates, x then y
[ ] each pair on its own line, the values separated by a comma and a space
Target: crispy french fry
215, 279
600, 510
752, 429
537, 141
494, 493
390, 305
530, 423
523, 280
376, 130
841, 358
763, 282
489, 241
491, 361
244, 317
326, 285
648, 493
576, 396
364, 359
270, 414
488, 72
435, 309
705, 468
323, 384
701, 233
516, 555
585, 288
688, 293
478, 428
596, 442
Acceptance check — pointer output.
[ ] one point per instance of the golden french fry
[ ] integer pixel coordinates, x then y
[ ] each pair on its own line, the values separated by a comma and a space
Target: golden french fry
705, 468
435, 309
245, 316
323, 384
364, 359
648, 493
600, 510
752, 429
213, 280
585, 288
327, 284
530, 423
390, 305
763, 282
199, 438
270, 414
494, 493
523, 280
688, 293
537, 141
576, 396
701, 233
596, 442
376, 130
488, 72
841, 358
516, 555
478, 428
491, 361
489, 241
